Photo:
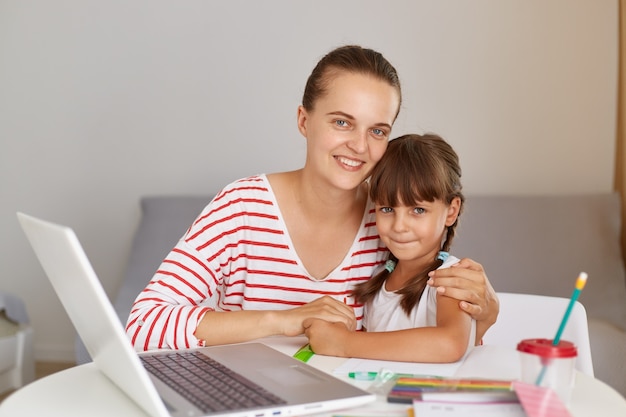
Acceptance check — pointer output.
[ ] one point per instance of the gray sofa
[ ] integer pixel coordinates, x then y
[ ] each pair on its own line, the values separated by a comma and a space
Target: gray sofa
528, 244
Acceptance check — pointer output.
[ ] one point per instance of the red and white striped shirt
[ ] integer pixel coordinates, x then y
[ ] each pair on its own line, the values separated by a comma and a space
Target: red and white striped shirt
238, 255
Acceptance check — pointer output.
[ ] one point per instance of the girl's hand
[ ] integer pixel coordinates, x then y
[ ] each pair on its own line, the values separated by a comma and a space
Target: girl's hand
326, 338
468, 282
325, 308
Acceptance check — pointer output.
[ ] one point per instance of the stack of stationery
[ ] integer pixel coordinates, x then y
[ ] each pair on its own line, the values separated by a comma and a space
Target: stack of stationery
453, 390
450, 397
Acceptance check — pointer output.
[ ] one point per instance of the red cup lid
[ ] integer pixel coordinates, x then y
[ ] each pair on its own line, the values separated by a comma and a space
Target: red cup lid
545, 348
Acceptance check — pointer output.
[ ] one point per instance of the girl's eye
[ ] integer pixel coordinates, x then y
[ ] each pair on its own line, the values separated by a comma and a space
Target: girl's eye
386, 209
419, 210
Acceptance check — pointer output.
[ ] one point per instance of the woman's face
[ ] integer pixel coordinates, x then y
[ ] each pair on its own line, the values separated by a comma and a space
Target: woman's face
348, 129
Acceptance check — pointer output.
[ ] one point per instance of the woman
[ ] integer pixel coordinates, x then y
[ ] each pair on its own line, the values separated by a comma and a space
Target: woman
271, 251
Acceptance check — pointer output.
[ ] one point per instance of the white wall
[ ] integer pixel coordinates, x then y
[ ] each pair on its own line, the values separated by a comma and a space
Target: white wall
102, 102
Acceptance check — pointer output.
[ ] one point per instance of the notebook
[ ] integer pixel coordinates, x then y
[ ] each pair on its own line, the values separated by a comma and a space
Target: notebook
294, 387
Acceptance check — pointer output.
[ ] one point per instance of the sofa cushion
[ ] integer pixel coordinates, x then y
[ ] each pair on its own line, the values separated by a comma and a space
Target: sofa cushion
608, 346
539, 244
164, 220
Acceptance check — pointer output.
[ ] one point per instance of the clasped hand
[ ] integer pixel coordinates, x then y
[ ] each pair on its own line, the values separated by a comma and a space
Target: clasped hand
324, 308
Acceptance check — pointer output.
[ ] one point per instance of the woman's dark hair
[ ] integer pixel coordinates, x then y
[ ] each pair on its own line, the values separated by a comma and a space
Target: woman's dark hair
414, 168
349, 58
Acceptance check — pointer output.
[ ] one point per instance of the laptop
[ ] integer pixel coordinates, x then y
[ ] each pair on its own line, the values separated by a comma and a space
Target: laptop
292, 387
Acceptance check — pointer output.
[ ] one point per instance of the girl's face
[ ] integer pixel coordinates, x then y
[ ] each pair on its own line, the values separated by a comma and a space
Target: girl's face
348, 129
414, 233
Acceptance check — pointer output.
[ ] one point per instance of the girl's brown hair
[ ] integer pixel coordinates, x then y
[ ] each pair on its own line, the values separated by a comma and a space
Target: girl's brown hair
414, 168
349, 58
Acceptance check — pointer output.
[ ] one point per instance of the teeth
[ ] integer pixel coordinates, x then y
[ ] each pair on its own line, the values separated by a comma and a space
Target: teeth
350, 162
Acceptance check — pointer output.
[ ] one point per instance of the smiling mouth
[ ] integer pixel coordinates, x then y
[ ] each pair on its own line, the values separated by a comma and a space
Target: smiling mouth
349, 162
401, 242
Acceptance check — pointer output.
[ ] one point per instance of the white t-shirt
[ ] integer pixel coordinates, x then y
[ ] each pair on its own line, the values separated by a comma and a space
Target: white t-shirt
384, 312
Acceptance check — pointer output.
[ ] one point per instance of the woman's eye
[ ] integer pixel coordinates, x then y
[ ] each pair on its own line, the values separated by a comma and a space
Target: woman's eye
341, 123
378, 132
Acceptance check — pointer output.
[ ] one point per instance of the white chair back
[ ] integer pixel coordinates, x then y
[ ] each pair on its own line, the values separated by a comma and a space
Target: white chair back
528, 316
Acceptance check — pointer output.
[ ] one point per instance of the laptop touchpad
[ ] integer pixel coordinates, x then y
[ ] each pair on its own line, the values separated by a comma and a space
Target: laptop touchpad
293, 375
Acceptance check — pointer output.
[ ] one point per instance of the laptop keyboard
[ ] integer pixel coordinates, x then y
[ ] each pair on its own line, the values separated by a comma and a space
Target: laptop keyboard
206, 383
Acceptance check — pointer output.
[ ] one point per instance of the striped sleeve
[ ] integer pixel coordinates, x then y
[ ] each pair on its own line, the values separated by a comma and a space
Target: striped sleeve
167, 312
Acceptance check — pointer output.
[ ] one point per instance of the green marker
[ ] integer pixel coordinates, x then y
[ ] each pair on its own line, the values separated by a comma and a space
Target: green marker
363, 376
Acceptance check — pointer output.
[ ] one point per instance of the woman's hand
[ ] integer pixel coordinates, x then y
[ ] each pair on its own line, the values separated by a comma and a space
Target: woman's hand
324, 308
468, 282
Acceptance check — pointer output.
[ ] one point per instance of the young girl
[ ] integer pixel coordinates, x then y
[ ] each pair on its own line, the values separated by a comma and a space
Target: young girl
416, 187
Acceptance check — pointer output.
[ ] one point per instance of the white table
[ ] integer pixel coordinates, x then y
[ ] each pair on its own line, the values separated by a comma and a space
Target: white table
83, 390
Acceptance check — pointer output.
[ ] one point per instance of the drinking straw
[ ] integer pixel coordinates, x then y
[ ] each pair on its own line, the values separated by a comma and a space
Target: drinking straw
580, 284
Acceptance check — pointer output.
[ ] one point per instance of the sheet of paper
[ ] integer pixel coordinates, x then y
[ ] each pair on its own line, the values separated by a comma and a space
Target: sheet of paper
485, 361
412, 368
489, 361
